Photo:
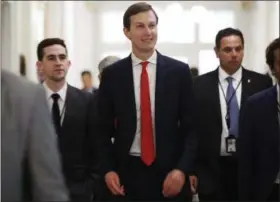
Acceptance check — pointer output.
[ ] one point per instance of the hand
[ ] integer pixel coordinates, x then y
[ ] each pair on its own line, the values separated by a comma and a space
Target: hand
193, 183
113, 183
173, 183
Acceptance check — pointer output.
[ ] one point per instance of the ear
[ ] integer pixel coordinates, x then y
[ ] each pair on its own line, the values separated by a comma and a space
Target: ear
69, 63
126, 33
38, 64
216, 51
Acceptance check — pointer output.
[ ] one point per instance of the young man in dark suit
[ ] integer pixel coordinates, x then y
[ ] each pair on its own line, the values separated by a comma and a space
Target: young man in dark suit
259, 142
70, 112
150, 97
219, 96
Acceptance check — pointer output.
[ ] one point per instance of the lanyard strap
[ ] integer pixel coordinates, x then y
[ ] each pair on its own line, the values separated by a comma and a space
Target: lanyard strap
228, 101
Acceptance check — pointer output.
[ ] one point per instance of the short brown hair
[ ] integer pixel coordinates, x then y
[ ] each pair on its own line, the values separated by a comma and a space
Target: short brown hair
48, 42
269, 53
134, 9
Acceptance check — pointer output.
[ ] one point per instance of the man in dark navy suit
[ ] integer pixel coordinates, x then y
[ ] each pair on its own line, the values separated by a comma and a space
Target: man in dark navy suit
258, 145
150, 97
219, 97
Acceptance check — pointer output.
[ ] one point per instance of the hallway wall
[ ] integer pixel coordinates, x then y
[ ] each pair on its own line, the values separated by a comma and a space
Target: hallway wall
80, 23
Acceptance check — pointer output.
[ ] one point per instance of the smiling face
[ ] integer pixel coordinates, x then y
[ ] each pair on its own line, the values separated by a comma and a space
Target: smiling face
54, 64
142, 31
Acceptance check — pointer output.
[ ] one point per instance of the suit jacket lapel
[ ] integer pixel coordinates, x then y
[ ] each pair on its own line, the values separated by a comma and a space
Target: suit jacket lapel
213, 88
246, 85
128, 85
161, 68
69, 106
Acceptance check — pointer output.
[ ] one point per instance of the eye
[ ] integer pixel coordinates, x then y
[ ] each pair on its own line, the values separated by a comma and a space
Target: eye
62, 57
227, 49
140, 26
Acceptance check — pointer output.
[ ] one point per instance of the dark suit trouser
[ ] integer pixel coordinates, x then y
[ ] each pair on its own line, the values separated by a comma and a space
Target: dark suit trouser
227, 189
80, 191
143, 183
274, 195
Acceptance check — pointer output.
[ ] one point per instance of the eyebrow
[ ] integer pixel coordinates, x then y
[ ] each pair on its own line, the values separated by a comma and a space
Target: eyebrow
151, 22
51, 55
231, 47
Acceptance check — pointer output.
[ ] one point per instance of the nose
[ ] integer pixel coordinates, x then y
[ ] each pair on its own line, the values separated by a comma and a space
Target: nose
57, 61
148, 30
234, 53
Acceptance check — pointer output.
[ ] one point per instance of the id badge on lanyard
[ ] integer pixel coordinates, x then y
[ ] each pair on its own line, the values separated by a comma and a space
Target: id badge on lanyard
231, 144
231, 139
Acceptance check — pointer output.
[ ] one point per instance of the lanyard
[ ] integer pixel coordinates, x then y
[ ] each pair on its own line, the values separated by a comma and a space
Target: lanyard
228, 101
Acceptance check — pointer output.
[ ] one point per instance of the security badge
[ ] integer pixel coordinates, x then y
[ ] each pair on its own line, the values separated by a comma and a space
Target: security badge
231, 144
230, 140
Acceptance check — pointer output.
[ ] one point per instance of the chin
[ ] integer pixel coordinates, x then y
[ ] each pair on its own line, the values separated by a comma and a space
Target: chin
58, 78
148, 48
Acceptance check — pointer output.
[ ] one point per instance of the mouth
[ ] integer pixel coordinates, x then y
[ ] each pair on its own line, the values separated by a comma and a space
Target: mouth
233, 62
58, 70
147, 40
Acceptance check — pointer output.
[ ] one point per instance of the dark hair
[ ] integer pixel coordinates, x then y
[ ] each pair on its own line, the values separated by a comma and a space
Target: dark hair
269, 53
194, 71
227, 32
22, 65
85, 73
134, 9
48, 42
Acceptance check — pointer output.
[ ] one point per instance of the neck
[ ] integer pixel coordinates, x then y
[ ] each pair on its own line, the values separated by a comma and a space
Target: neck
87, 86
143, 55
230, 71
55, 86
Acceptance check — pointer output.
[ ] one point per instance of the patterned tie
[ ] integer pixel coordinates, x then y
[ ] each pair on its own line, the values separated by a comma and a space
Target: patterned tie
147, 139
233, 108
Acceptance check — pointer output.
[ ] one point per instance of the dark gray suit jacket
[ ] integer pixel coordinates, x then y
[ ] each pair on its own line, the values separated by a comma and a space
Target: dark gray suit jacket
27, 132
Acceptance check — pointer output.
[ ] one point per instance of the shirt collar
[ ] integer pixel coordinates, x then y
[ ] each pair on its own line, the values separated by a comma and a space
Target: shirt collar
61, 92
136, 61
236, 76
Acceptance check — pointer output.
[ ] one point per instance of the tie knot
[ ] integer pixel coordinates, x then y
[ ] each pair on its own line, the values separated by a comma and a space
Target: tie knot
229, 79
144, 64
55, 96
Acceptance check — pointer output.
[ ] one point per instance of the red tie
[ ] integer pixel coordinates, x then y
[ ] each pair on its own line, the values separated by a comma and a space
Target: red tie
147, 139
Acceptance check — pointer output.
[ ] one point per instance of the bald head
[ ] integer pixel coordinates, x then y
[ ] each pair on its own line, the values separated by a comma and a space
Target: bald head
107, 61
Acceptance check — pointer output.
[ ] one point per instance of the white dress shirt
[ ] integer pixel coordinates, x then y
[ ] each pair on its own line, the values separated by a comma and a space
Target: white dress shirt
61, 101
224, 84
135, 149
